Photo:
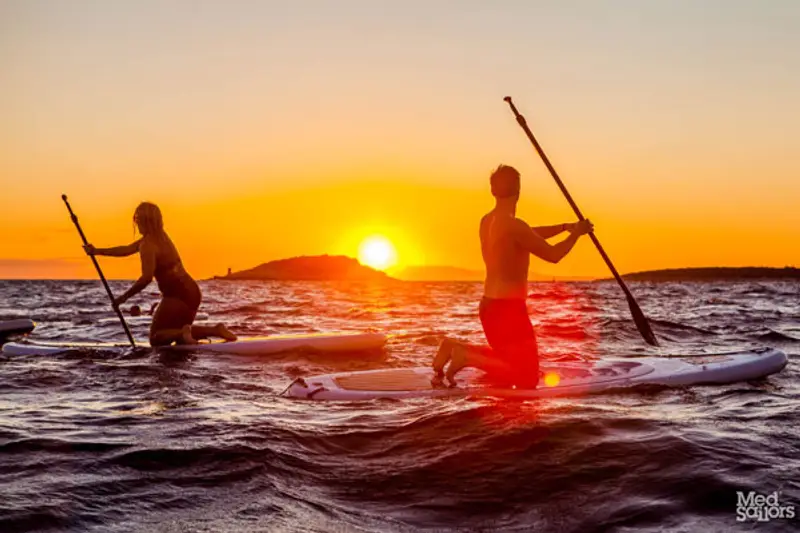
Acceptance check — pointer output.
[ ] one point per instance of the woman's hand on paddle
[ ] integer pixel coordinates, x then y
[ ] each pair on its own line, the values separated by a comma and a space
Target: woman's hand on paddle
120, 300
90, 249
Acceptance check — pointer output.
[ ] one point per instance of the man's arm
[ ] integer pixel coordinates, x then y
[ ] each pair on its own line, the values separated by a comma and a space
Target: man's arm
545, 232
531, 241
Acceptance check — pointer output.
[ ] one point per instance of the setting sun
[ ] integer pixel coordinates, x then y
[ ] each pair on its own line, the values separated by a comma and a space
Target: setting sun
377, 252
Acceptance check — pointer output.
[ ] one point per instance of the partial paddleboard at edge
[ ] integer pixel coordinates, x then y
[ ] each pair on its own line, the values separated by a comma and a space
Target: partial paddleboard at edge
19, 326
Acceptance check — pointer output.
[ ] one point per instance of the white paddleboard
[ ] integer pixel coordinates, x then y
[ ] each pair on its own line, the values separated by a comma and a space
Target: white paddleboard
560, 379
317, 342
16, 327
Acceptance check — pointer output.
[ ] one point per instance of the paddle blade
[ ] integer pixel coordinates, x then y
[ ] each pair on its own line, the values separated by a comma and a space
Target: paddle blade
642, 324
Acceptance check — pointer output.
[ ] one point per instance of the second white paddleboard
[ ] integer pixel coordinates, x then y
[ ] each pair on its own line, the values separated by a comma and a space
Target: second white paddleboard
317, 342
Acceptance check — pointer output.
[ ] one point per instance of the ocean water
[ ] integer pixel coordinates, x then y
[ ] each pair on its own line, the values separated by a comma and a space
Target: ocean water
128, 440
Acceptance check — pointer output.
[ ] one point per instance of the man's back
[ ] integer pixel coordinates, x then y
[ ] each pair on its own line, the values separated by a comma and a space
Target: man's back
506, 261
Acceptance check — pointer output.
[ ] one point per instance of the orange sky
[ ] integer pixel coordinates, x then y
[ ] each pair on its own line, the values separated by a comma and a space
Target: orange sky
265, 133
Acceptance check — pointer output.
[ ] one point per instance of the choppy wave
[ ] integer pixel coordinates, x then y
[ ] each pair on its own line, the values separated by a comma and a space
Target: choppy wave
130, 440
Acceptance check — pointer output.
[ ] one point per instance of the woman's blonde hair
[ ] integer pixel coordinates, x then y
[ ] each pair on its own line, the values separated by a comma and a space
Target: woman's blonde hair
147, 218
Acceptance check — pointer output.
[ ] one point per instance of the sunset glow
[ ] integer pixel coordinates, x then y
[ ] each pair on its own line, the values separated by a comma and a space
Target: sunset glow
377, 252
298, 131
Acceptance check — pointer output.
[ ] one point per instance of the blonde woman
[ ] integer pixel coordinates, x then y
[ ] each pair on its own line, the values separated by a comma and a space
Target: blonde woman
180, 294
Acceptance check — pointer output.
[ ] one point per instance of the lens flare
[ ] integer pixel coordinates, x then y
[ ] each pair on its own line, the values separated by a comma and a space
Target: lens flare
551, 379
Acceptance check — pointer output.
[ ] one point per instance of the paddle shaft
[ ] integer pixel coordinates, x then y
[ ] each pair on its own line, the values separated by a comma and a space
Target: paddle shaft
641, 321
100, 273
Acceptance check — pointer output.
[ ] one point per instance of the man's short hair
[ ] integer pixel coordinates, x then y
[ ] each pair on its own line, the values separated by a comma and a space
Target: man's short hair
504, 181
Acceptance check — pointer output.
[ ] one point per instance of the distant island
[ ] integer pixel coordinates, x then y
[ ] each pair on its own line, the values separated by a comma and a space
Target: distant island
715, 274
310, 268
343, 268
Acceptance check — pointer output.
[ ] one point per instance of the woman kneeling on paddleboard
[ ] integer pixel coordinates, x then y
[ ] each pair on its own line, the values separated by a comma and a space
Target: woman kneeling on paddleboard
180, 294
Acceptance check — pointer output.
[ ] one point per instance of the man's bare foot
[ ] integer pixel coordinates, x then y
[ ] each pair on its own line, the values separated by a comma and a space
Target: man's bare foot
458, 360
440, 359
224, 332
443, 355
186, 335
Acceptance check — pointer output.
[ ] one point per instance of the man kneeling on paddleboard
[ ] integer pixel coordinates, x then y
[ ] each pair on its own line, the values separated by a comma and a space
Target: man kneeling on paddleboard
506, 245
180, 294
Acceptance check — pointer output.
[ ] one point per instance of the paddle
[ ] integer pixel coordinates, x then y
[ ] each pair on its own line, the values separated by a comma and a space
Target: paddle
100, 272
638, 316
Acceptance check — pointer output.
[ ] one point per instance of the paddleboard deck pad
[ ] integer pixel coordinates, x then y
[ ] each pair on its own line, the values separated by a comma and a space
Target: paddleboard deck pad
19, 326
557, 379
317, 342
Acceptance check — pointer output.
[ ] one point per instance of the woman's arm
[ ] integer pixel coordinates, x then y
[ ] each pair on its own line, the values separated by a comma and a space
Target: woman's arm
116, 251
147, 253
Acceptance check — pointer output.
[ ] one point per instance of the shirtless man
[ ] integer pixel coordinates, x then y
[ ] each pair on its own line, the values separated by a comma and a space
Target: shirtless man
506, 245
